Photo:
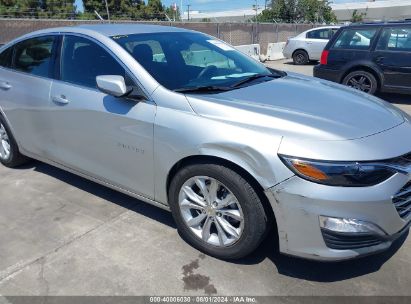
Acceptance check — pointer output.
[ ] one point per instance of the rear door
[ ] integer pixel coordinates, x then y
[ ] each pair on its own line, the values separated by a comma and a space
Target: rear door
393, 56
316, 41
25, 88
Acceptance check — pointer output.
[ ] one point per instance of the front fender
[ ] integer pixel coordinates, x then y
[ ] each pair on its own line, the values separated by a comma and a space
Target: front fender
179, 135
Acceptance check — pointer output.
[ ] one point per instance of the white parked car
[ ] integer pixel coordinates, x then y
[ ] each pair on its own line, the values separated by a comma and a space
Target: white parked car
309, 44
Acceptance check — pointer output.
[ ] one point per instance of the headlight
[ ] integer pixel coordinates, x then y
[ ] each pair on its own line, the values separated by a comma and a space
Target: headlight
344, 174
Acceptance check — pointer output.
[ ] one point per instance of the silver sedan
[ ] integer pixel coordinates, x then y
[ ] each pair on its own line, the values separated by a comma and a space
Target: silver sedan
309, 44
184, 121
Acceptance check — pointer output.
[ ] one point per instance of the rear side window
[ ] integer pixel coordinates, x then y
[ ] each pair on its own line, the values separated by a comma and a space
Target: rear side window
6, 57
395, 39
82, 60
355, 39
33, 56
319, 34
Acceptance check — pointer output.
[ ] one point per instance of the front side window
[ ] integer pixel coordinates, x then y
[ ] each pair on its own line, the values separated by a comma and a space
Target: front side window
33, 56
319, 34
395, 39
6, 57
190, 59
355, 39
82, 60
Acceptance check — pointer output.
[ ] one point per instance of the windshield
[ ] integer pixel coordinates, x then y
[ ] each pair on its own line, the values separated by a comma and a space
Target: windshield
181, 61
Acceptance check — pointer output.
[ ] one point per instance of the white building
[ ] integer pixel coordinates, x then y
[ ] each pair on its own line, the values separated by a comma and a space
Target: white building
237, 15
375, 10
383, 10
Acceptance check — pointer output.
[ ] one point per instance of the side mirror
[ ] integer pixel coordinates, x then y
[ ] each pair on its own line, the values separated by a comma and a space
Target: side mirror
113, 85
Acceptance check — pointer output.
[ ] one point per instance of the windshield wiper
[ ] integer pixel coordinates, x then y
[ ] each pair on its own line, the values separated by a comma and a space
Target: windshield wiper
252, 78
203, 89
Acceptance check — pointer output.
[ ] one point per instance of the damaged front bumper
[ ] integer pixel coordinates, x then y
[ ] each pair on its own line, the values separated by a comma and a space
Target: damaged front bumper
336, 223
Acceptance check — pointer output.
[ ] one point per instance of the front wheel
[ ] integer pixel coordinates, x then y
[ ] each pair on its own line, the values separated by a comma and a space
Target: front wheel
362, 81
217, 210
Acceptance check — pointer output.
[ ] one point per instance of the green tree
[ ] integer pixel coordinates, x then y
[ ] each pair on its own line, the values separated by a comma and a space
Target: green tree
172, 13
357, 17
298, 11
125, 9
20, 8
154, 10
57, 9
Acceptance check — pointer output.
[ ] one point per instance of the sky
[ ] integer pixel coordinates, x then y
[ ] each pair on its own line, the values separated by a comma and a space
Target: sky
218, 5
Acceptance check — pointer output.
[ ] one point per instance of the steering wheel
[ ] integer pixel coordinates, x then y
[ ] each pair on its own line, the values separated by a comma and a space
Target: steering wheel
207, 72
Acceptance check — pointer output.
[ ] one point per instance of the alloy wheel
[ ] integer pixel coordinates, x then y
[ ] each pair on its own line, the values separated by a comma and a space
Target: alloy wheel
360, 82
211, 211
4, 143
300, 58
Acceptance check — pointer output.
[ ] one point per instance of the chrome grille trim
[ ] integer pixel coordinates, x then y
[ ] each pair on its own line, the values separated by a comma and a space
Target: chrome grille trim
402, 201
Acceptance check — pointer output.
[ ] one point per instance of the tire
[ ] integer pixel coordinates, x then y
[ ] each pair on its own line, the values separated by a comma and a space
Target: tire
9, 151
249, 232
300, 57
361, 80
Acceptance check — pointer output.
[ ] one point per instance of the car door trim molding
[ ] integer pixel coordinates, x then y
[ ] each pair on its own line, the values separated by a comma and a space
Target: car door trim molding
96, 180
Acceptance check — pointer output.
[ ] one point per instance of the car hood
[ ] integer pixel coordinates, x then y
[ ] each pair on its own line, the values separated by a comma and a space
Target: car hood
301, 106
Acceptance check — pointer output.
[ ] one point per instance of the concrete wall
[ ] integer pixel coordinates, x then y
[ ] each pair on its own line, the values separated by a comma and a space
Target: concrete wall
233, 33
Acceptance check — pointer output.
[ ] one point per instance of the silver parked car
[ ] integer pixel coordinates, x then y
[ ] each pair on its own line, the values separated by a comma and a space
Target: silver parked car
183, 121
309, 44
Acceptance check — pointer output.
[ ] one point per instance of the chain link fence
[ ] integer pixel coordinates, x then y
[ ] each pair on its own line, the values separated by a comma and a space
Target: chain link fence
233, 33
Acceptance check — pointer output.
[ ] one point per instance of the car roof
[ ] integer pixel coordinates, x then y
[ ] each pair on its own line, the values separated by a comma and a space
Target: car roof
379, 24
324, 27
111, 29
127, 29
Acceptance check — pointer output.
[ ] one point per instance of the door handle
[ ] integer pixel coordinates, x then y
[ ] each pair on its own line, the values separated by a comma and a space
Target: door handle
61, 99
379, 59
5, 86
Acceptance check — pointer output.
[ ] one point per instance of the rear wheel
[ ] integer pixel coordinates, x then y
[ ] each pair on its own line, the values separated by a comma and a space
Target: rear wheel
217, 210
300, 57
362, 81
9, 152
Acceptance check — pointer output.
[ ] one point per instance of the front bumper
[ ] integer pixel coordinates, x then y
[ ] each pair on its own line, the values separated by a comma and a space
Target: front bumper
298, 205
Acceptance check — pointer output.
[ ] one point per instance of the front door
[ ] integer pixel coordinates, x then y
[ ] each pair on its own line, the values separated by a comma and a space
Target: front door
97, 134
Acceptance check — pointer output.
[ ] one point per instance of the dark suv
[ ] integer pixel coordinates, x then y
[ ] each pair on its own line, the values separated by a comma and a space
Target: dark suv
369, 57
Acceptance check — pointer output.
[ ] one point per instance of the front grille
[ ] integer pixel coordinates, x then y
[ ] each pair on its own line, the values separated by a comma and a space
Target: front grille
402, 201
343, 241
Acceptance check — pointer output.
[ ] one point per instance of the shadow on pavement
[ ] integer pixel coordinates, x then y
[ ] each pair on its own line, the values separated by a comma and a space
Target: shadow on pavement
112, 196
290, 62
320, 271
286, 265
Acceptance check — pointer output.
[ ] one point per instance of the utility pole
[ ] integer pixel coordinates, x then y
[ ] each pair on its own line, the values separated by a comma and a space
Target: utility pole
256, 10
108, 13
188, 12
181, 10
